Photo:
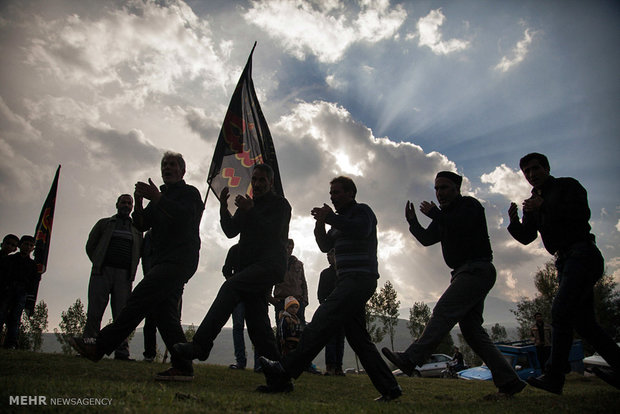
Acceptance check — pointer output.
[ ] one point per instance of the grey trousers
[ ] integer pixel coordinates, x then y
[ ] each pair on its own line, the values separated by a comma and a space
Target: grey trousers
110, 285
463, 303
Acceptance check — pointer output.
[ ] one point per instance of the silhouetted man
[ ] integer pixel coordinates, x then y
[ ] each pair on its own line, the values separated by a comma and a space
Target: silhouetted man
459, 224
558, 210
173, 214
541, 336
9, 245
114, 247
18, 278
353, 236
261, 222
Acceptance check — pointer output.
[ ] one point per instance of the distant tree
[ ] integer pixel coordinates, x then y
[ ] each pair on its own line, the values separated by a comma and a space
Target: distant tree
31, 328
386, 307
498, 333
606, 303
71, 324
419, 315
190, 332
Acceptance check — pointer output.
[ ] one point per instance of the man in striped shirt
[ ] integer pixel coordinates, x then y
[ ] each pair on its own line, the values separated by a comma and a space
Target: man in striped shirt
353, 236
114, 246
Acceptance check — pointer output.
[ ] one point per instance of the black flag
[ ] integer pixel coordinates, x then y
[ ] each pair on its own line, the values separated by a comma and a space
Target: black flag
244, 141
43, 236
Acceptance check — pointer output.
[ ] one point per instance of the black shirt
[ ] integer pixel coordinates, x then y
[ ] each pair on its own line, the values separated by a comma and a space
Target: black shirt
18, 273
174, 221
263, 232
461, 228
327, 283
562, 219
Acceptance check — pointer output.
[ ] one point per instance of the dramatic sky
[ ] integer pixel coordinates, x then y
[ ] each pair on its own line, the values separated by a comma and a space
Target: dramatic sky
388, 92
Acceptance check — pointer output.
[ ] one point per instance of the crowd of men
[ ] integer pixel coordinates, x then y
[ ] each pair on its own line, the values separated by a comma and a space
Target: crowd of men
557, 210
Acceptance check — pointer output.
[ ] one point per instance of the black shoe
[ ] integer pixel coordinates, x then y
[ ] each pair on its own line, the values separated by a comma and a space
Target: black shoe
547, 383
400, 359
607, 375
277, 378
190, 351
272, 368
390, 396
175, 374
236, 366
87, 347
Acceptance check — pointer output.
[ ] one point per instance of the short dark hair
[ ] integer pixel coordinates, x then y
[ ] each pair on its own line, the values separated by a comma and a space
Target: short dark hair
537, 313
124, 195
10, 236
266, 168
26, 238
455, 178
347, 184
176, 156
534, 156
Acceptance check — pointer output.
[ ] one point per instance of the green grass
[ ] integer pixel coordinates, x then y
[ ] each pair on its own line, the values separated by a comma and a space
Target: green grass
217, 389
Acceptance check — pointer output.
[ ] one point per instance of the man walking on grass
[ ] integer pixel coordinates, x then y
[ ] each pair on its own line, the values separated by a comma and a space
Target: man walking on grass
353, 236
459, 224
558, 210
173, 214
262, 223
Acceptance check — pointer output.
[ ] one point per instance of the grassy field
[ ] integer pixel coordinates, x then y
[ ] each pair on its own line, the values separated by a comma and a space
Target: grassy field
128, 387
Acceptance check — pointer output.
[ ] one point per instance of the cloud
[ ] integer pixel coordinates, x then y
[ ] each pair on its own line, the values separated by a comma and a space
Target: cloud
518, 53
325, 29
131, 52
19, 137
430, 36
507, 182
124, 150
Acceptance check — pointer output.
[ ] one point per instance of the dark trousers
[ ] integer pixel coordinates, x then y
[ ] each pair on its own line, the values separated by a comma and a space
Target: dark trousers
150, 334
111, 285
12, 303
343, 308
334, 350
573, 307
150, 337
238, 319
250, 286
157, 295
542, 353
463, 303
